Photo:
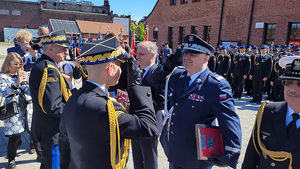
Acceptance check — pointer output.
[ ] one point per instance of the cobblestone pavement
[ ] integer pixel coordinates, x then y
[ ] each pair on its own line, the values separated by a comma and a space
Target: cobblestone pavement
24, 160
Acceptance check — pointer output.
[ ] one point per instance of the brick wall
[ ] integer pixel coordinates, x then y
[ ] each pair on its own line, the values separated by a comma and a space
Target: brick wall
236, 19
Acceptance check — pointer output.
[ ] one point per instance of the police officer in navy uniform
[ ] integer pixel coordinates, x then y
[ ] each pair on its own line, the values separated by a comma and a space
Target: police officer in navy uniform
239, 72
223, 62
259, 74
274, 143
95, 127
195, 95
276, 83
49, 93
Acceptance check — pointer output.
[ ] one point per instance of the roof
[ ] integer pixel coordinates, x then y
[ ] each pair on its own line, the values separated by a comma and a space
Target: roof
69, 26
94, 27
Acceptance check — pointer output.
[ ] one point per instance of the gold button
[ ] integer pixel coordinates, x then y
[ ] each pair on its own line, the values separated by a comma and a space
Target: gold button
273, 164
173, 114
172, 132
172, 123
192, 106
176, 104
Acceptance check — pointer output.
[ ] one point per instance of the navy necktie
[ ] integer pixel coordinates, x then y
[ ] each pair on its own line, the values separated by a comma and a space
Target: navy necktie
292, 128
186, 82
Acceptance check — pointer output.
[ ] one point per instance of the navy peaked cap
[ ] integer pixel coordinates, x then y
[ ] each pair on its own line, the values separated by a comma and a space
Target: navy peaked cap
194, 44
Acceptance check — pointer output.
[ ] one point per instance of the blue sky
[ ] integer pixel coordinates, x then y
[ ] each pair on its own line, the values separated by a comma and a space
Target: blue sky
136, 8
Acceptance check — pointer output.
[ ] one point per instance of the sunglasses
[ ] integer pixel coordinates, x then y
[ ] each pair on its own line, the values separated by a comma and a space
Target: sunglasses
290, 82
43, 26
16, 64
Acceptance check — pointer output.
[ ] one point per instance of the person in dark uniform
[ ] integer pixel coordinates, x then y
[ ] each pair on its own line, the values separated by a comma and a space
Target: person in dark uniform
233, 52
49, 93
96, 128
248, 81
274, 143
287, 48
240, 70
260, 72
297, 51
195, 95
212, 63
144, 151
275, 82
223, 63
79, 71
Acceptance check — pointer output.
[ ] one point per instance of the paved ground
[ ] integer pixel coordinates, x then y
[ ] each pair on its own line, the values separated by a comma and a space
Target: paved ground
245, 110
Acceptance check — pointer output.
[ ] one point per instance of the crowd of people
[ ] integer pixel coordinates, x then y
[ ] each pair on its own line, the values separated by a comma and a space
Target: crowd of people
169, 94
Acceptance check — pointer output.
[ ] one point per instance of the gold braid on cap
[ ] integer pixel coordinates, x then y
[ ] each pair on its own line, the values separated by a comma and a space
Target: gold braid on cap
84, 75
115, 138
66, 93
274, 155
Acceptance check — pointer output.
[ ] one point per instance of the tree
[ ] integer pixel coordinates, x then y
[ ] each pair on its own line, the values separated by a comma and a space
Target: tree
140, 32
132, 27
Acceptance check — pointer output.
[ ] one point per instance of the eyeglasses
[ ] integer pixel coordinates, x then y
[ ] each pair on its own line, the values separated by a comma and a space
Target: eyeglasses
43, 26
290, 82
16, 64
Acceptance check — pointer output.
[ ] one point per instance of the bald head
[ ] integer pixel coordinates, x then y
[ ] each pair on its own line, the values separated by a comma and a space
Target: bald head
42, 31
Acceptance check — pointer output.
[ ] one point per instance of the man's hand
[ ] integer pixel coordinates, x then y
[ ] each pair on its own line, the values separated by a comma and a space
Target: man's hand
265, 79
227, 159
245, 76
78, 61
134, 73
250, 77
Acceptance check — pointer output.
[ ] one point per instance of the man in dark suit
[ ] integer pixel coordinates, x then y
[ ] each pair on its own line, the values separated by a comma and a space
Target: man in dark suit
144, 151
195, 95
96, 128
223, 62
274, 143
49, 94
259, 74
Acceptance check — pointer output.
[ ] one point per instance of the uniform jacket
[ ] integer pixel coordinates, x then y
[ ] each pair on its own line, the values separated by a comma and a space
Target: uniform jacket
223, 64
212, 63
273, 134
45, 126
241, 65
18, 123
261, 66
276, 72
207, 98
85, 125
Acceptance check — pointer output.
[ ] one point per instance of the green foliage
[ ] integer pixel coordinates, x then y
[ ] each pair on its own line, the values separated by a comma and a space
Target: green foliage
132, 27
140, 32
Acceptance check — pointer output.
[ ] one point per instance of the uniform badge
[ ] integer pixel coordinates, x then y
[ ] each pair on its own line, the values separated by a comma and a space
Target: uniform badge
191, 38
198, 80
196, 97
210, 142
223, 96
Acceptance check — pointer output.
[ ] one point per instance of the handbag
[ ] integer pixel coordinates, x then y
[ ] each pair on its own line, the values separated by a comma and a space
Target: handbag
8, 110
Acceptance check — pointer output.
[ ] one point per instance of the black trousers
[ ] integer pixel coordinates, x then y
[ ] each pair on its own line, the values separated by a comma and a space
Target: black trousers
258, 88
173, 166
12, 147
238, 86
50, 157
144, 153
278, 91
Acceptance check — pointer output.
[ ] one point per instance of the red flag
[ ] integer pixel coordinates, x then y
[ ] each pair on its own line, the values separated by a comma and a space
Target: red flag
147, 30
132, 51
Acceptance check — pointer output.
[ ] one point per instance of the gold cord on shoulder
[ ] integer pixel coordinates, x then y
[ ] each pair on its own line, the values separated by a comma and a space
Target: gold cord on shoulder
255, 63
274, 155
82, 72
275, 69
234, 61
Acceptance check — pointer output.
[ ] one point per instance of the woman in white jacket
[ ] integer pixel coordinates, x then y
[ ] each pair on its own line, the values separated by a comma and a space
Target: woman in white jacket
13, 81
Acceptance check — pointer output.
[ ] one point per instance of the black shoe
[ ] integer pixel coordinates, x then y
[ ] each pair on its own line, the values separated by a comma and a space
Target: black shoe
257, 102
12, 164
252, 101
39, 158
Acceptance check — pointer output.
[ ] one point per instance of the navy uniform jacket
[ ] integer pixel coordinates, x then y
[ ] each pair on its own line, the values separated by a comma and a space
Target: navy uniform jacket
223, 64
273, 134
45, 126
241, 65
85, 124
207, 98
212, 63
262, 66
276, 72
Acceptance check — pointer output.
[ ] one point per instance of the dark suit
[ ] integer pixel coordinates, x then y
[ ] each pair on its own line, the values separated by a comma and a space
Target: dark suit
144, 151
240, 67
223, 65
45, 125
85, 125
207, 98
261, 67
273, 134
278, 87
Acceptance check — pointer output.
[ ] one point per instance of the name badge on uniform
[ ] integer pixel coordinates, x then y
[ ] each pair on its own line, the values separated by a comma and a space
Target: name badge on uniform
240, 59
196, 97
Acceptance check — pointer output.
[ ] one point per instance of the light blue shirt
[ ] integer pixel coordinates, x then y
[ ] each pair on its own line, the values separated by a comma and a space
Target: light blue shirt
194, 76
101, 87
289, 117
147, 69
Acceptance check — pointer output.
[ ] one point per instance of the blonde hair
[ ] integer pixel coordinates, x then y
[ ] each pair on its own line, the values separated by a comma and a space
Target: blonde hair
23, 34
6, 64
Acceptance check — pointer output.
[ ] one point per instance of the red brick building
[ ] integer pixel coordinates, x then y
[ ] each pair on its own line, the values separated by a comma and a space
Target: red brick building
250, 22
19, 14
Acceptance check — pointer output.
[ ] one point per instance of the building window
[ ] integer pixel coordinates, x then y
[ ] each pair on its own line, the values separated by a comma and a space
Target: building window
294, 37
173, 2
171, 36
4, 12
181, 34
184, 1
155, 33
206, 34
194, 30
269, 33
196, 1
15, 12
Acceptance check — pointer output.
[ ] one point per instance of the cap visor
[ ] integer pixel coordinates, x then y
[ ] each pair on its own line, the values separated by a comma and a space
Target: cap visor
66, 45
288, 78
191, 51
